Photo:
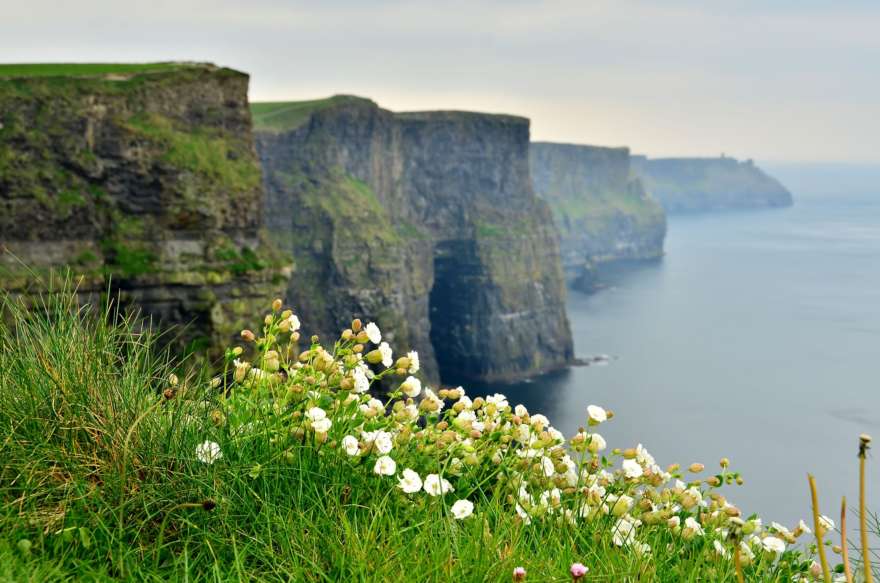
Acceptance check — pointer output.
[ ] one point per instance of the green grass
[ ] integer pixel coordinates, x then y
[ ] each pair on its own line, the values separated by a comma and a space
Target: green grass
206, 154
101, 481
85, 69
281, 116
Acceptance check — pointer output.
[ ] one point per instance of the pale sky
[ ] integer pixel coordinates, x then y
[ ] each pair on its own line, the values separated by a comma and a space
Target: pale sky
772, 80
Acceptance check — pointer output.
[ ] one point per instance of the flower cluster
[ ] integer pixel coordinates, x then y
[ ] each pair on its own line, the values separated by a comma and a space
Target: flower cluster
441, 446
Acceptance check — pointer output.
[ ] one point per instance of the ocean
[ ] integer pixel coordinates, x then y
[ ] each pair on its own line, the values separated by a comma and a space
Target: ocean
756, 338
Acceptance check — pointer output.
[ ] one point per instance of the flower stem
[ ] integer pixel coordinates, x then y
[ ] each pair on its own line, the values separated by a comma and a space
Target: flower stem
864, 440
737, 563
820, 547
843, 544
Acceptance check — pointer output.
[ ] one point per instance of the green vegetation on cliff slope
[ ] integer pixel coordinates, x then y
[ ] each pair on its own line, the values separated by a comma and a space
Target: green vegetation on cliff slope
285, 468
283, 116
87, 69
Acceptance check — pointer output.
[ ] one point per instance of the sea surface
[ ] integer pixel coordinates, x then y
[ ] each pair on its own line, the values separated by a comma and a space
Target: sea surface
757, 338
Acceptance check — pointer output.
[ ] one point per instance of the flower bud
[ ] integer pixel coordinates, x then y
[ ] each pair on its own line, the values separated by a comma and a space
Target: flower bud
374, 357
362, 337
724, 462
276, 305
347, 334
629, 453
248, 336
356, 324
268, 320
168, 394
696, 468
271, 361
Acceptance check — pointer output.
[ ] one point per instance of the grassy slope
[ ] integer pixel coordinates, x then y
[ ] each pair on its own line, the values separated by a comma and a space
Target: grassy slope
282, 116
99, 482
85, 69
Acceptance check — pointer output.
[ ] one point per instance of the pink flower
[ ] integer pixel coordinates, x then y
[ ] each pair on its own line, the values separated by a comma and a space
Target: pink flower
577, 571
519, 574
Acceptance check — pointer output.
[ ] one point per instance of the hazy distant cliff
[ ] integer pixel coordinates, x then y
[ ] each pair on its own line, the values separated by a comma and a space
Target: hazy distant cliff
701, 184
602, 211
428, 224
143, 173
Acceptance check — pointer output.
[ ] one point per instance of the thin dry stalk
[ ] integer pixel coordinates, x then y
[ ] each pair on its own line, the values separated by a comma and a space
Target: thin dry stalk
864, 440
737, 563
817, 528
845, 550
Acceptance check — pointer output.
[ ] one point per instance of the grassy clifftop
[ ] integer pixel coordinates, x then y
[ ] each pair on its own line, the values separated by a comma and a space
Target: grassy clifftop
140, 174
91, 69
700, 184
283, 116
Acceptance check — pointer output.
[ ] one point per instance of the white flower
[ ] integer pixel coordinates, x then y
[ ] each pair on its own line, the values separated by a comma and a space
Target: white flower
520, 411
350, 445
410, 482
413, 357
674, 522
322, 425
773, 544
208, 452
411, 387
385, 351
373, 333
373, 407
294, 323
802, 526
521, 512
643, 457
432, 397
539, 422
826, 522
780, 528
597, 443
383, 442
719, 548
547, 466
435, 485
462, 509
361, 382
625, 531
498, 399
632, 469
316, 414
695, 527
385, 466
596, 414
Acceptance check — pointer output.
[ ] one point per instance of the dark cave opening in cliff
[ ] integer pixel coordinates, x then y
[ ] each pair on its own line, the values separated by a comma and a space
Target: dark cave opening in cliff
454, 312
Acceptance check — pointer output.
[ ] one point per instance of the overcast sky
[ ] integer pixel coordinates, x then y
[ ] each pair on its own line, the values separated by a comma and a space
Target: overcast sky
768, 79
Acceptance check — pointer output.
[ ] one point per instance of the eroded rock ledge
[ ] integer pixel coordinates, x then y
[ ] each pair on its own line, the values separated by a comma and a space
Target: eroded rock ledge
603, 213
425, 222
142, 180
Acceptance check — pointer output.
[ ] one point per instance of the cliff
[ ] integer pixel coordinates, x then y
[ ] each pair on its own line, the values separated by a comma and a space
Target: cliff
709, 184
141, 179
602, 211
428, 225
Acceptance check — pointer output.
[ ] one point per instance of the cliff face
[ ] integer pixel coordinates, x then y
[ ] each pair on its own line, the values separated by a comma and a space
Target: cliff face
431, 229
709, 184
601, 209
142, 175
